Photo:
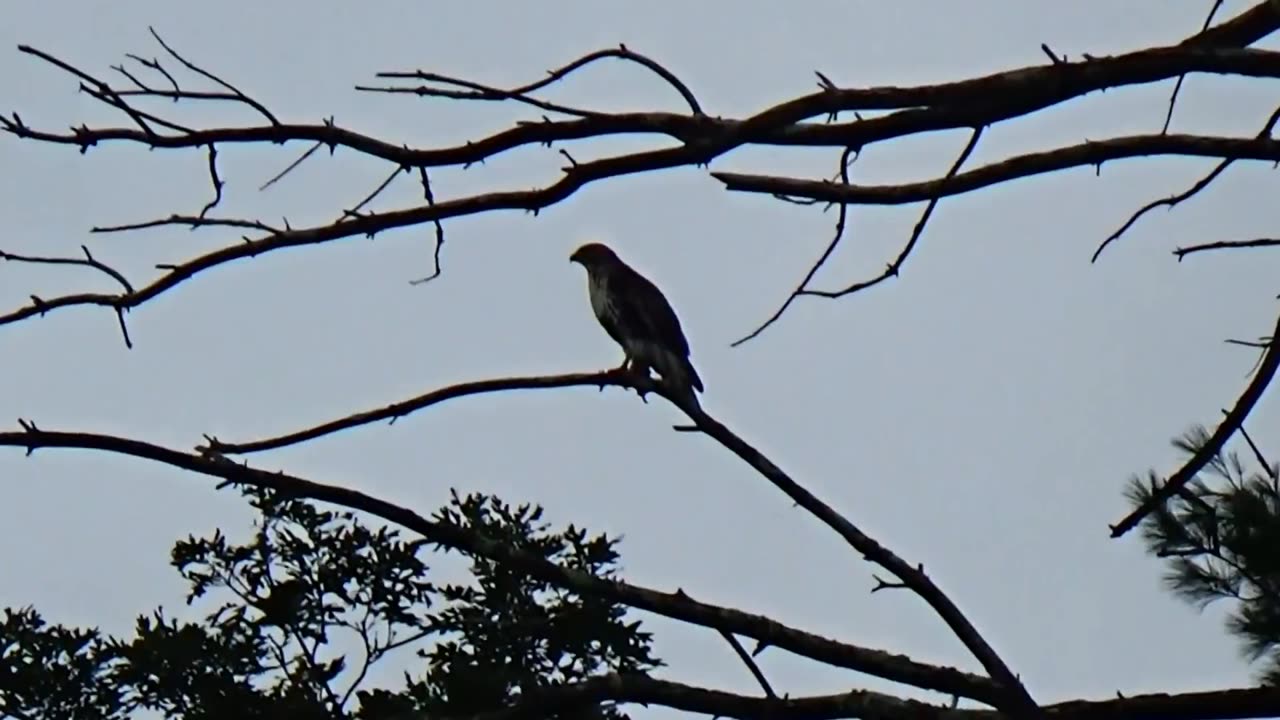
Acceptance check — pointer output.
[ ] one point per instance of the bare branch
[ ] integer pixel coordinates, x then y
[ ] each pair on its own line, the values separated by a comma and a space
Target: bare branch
1177, 87
678, 606
841, 217
916, 232
914, 577
1233, 704
1088, 153
397, 410
641, 689
750, 662
1267, 467
477, 91
1173, 200
291, 166
1224, 245
87, 261
235, 92
430, 197
214, 180
355, 211
192, 221
1210, 449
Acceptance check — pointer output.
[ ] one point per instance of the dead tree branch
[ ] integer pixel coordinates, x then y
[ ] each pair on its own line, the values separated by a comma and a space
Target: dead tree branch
913, 577
678, 605
1225, 245
967, 103
1232, 422
750, 662
1233, 704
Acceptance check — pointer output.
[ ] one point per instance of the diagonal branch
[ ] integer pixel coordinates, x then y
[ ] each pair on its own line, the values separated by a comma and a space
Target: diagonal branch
1203, 455
1177, 87
750, 662
678, 605
912, 577
895, 266
841, 217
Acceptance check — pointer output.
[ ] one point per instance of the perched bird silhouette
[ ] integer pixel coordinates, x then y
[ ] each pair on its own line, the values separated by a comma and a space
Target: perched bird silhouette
638, 317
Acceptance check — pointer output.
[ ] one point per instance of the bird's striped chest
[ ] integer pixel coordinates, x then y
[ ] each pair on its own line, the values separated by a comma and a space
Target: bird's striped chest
601, 299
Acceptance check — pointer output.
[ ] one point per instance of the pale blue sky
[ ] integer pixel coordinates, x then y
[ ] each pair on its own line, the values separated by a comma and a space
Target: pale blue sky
980, 414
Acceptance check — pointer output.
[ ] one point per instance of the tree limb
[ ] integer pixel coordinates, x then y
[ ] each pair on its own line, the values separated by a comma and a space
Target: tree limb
913, 577
678, 605
1231, 704
1232, 422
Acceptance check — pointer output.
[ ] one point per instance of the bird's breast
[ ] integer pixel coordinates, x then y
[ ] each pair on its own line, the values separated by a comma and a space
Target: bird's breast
598, 290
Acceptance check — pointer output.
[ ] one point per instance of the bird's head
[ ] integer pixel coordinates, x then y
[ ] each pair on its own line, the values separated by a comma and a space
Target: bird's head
593, 255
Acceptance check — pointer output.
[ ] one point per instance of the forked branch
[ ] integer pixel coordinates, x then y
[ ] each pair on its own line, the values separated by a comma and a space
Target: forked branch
1016, 700
677, 605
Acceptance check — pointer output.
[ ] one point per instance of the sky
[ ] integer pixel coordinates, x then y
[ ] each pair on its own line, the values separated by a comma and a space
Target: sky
979, 414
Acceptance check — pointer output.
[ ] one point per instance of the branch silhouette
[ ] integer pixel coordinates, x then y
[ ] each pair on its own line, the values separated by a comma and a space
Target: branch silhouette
1230, 424
678, 605
808, 120
971, 103
912, 577
1216, 705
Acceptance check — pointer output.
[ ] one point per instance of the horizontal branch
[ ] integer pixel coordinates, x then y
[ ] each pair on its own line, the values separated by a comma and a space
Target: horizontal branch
677, 605
1092, 152
639, 689
924, 108
1233, 704
966, 103
369, 224
1225, 245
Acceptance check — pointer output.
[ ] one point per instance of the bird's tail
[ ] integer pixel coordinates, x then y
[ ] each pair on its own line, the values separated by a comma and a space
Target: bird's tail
678, 373
694, 381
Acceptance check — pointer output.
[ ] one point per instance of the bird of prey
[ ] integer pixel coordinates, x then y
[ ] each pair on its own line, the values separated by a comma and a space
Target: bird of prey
638, 317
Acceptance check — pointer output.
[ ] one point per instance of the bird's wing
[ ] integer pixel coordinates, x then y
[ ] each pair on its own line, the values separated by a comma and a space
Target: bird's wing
642, 306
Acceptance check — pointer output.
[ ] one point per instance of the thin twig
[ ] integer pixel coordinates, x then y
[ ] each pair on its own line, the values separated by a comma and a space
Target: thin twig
1174, 200
192, 221
430, 197
214, 179
291, 166
483, 92
895, 266
1257, 453
355, 211
837, 236
750, 663
87, 261
201, 71
1177, 87
1224, 245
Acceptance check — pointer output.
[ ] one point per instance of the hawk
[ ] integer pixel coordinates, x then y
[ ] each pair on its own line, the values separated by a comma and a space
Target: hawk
638, 317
